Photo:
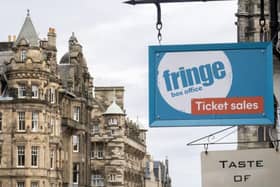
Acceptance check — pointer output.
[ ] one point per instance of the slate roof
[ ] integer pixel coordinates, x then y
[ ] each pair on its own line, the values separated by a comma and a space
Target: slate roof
28, 33
114, 109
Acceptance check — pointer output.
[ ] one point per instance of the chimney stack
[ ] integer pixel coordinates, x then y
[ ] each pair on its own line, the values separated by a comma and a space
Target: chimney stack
9, 38
52, 38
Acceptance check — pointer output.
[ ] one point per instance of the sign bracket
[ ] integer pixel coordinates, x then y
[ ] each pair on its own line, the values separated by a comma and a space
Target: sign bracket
157, 3
211, 140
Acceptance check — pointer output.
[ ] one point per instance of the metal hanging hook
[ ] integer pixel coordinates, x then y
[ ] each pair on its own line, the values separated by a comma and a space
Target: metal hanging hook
159, 22
206, 148
262, 21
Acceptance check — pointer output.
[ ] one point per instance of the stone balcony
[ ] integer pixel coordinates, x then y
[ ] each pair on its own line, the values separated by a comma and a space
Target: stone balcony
72, 124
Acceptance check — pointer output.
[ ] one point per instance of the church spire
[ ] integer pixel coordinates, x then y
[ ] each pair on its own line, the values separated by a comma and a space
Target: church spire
28, 32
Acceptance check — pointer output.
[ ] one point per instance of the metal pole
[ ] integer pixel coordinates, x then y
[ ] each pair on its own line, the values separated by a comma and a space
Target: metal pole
274, 21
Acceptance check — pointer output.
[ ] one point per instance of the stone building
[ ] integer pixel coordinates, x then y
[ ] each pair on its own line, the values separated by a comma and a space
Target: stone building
31, 144
53, 132
156, 173
76, 102
118, 145
249, 30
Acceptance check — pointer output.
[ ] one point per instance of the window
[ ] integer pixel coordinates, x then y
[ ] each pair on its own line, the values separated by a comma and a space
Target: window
95, 129
76, 113
100, 150
113, 121
20, 184
97, 150
0, 121
35, 91
21, 91
23, 55
112, 177
21, 121
35, 121
0, 155
76, 142
52, 159
97, 180
21, 155
52, 95
34, 184
76, 173
52, 126
34, 155
92, 151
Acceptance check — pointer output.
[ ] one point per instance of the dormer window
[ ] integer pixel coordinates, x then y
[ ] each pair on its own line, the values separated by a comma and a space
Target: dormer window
112, 121
21, 91
23, 55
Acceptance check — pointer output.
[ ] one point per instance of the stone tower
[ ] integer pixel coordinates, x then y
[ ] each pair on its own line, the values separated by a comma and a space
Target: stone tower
30, 129
118, 145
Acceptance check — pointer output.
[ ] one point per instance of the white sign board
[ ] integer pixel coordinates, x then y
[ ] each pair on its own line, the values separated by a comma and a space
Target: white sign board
241, 168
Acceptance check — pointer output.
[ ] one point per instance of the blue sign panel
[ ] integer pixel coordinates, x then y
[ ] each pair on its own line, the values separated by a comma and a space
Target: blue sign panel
213, 84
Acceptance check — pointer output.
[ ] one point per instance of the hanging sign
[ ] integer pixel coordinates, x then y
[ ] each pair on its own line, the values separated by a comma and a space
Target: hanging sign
213, 84
241, 168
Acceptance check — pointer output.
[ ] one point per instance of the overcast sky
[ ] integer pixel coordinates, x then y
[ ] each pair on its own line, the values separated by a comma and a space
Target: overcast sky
115, 39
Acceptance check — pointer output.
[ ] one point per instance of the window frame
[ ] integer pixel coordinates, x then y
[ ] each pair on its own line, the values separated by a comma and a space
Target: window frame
97, 180
20, 156
1, 153
113, 121
23, 55
21, 91
76, 143
95, 129
21, 122
35, 121
36, 183
20, 184
35, 91
76, 113
53, 126
76, 173
1, 121
52, 95
100, 150
52, 163
35, 152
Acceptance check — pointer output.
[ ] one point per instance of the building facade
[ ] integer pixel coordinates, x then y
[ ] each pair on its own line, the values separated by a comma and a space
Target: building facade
53, 131
251, 28
157, 173
118, 145
31, 144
